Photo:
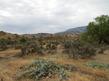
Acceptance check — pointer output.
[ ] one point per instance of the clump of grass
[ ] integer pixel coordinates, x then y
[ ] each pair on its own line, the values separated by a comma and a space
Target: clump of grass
98, 65
41, 69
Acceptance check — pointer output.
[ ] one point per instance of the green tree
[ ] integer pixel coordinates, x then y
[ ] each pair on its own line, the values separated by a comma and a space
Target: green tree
99, 29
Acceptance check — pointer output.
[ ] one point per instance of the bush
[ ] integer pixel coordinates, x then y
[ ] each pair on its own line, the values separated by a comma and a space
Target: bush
23, 40
3, 44
51, 47
41, 69
76, 49
98, 65
32, 47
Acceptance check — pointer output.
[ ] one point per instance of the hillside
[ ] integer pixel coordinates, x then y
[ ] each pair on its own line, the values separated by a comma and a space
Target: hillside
38, 35
69, 32
6, 35
75, 30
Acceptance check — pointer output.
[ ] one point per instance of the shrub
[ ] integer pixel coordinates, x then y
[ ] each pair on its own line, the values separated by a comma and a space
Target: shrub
23, 40
76, 49
3, 44
98, 65
31, 47
51, 47
41, 69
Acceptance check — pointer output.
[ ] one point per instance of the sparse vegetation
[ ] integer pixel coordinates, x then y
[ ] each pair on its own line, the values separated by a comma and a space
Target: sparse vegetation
87, 48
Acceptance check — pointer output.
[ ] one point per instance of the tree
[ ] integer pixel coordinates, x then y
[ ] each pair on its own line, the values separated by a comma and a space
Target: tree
99, 29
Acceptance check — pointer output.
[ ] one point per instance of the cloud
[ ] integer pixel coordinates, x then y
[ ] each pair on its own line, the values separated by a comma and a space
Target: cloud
33, 16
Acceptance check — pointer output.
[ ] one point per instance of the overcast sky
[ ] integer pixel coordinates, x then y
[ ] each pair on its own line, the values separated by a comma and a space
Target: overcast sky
34, 16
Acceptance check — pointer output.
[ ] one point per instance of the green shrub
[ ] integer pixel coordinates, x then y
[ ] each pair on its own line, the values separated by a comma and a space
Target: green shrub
98, 65
41, 69
23, 40
3, 44
76, 49
30, 48
51, 45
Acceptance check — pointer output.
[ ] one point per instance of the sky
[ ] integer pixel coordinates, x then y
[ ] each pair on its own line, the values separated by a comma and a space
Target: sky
49, 16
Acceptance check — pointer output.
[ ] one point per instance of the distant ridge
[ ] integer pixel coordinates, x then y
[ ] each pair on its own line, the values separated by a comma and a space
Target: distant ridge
75, 30
70, 32
38, 35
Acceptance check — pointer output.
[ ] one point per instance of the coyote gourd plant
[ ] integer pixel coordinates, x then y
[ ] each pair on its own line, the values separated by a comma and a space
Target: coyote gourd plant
41, 69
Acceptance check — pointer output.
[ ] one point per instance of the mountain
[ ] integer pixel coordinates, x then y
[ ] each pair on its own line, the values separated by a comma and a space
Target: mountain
6, 35
38, 35
76, 30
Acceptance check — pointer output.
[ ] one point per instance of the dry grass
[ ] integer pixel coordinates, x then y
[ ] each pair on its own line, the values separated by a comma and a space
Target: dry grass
103, 58
9, 68
8, 52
